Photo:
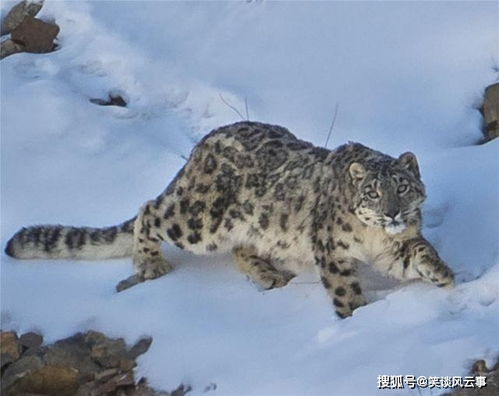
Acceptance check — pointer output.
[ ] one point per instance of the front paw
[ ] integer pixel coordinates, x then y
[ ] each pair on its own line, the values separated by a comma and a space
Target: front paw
434, 270
345, 308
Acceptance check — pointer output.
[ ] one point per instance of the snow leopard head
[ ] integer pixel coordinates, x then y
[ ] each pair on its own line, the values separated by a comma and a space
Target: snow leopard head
387, 193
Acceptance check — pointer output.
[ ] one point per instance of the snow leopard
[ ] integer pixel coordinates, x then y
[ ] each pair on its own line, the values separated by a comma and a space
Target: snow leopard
280, 205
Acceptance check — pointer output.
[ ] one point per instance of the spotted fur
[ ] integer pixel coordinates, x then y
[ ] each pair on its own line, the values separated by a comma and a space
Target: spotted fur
279, 204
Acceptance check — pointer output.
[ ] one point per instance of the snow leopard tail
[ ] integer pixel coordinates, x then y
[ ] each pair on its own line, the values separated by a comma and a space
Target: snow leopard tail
63, 242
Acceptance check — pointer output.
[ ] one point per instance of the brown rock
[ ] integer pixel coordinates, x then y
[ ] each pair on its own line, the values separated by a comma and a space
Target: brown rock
109, 353
113, 384
19, 369
126, 364
490, 111
10, 348
18, 13
36, 36
9, 47
48, 380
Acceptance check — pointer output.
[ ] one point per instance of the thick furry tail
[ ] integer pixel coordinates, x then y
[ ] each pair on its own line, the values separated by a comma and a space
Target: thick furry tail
62, 242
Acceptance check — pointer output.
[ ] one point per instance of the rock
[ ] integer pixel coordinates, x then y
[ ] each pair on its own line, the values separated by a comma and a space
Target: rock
105, 375
18, 13
141, 347
31, 351
10, 348
36, 36
86, 389
127, 364
48, 380
142, 389
116, 382
490, 111
72, 352
110, 353
85, 364
9, 47
182, 390
92, 338
480, 367
113, 100
128, 282
19, 369
31, 340
492, 381
211, 387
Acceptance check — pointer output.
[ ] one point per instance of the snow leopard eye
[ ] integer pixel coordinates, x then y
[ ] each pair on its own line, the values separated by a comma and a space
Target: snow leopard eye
373, 194
402, 188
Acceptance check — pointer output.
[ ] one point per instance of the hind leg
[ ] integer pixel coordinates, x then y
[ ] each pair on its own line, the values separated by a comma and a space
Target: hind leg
148, 259
259, 270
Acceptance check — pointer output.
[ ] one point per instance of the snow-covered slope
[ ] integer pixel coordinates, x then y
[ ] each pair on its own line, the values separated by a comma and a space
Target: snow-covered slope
405, 76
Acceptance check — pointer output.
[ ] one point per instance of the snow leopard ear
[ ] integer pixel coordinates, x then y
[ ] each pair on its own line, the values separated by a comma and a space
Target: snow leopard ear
357, 172
408, 161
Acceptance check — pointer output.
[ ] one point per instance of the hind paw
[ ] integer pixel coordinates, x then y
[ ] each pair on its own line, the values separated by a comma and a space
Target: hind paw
267, 280
152, 268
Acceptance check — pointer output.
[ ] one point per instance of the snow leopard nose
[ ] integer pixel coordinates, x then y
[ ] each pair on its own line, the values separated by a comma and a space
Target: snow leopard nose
392, 213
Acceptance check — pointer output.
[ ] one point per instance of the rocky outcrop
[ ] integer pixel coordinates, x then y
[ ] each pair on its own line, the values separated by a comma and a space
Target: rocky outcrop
492, 381
490, 112
28, 34
18, 13
85, 364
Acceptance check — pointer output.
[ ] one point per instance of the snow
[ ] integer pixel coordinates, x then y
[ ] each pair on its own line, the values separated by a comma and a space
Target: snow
405, 76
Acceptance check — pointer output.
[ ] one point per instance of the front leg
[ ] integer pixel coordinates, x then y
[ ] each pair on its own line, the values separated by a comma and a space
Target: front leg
421, 260
339, 277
